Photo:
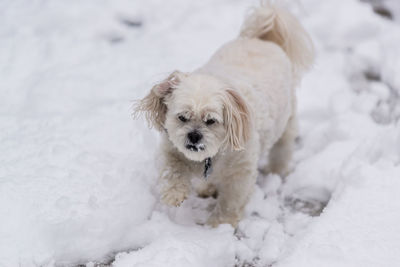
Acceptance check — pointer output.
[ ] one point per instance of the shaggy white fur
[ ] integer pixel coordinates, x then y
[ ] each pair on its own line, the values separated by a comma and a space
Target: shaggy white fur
237, 107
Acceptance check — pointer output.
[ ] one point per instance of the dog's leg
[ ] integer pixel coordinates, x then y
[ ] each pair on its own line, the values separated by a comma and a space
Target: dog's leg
234, 189
175, 178
281, 153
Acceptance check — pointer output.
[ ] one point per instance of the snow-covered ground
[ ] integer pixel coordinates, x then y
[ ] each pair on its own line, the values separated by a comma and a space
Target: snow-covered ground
78, 175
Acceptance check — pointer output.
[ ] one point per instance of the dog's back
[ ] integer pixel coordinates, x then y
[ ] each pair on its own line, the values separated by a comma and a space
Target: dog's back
271, 23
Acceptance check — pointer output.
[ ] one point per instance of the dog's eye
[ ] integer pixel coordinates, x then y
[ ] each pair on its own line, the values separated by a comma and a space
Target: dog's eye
210, 121
182, 119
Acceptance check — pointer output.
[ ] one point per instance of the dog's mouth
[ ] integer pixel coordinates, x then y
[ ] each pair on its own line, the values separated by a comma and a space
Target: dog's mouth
196, 147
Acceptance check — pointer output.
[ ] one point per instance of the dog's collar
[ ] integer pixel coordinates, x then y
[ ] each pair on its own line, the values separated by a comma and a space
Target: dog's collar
207, 168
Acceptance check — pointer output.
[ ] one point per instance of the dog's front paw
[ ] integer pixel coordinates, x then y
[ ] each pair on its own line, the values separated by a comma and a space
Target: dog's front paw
175, 195
216, 219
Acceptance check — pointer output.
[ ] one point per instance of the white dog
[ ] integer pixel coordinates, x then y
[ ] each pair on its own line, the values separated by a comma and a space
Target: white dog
217, 121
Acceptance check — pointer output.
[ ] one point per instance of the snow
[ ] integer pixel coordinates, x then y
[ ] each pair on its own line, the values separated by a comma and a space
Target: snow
78, 176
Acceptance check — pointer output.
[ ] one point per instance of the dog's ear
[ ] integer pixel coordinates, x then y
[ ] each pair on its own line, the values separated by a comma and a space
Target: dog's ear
153, 105
237, 119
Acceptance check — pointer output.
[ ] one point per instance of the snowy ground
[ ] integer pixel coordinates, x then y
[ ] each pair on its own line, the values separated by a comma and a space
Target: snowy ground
77, 174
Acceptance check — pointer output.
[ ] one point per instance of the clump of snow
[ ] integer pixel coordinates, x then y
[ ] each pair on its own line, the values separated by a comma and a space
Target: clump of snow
78, 176
182, 246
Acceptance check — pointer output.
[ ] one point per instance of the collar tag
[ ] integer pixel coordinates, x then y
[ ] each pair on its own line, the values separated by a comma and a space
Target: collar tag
207, 168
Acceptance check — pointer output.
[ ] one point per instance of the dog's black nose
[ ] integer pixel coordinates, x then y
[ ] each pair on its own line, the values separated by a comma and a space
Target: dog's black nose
194, 137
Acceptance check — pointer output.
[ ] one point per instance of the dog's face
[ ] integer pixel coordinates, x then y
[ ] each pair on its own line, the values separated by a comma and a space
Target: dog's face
194, 119
199, 113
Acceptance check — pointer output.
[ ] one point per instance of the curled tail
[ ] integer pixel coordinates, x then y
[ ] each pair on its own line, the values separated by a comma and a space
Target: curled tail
271, 23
